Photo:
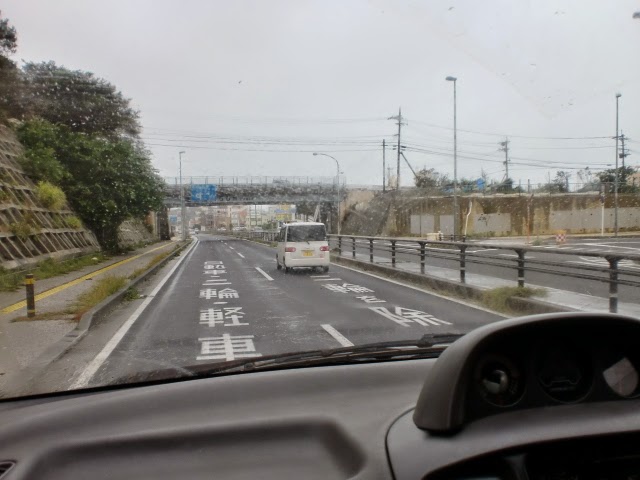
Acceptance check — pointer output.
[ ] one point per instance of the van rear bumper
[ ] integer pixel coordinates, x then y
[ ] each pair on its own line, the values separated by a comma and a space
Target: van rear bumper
307, 262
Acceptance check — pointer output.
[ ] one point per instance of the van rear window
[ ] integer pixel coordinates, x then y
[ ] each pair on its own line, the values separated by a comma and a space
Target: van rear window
307, 233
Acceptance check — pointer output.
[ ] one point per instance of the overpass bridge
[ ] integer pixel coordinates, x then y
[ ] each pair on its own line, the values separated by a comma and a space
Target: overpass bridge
253, 190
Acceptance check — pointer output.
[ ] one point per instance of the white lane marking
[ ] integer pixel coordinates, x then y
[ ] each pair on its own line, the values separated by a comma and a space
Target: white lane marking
319, 276
428, 292
85, 376
220, 303
240, 254
612, 245
264, 273
342, 340
325, 279
604, 263
231, 247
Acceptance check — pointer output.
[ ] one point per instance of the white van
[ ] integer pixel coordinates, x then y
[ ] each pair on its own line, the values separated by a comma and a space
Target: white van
303, 244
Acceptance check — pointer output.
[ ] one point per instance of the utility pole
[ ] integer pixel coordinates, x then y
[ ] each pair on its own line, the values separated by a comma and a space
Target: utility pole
505, 149
615, 187
625, 153
384, 166
182, 207
400, 123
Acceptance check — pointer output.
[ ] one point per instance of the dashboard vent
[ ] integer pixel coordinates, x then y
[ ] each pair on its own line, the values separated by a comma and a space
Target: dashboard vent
5, 467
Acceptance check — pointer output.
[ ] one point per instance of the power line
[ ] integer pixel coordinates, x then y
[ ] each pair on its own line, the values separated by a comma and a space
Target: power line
513, 136
199, 147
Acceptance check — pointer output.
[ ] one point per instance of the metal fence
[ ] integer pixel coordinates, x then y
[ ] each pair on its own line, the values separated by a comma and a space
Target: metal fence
458, 256
456, 253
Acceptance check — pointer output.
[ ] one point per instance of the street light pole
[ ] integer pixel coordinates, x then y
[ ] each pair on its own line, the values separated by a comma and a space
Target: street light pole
337, 182
615, 186
455, 158
182, 209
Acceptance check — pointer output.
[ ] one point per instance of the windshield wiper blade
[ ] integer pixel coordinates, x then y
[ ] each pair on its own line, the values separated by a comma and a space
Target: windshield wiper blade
427, 345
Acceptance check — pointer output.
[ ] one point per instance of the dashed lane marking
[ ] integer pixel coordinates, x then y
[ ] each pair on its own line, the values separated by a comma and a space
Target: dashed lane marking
265, 274
240, 254
325, 279
342, 340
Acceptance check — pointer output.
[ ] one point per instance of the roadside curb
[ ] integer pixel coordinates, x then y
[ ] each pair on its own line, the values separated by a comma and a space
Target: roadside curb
442, 286
58, 349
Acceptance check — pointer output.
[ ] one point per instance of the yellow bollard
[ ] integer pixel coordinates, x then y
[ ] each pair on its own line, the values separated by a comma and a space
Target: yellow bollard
29, 283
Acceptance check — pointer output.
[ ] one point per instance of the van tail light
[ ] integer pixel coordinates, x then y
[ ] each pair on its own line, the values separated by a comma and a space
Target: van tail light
290, 249
324, 248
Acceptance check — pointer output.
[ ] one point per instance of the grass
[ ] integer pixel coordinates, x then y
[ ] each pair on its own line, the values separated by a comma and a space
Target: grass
537, 242
102, 289
74, 222
11, 281
50, 196
132, 293
154, 261
52, 268
498, 299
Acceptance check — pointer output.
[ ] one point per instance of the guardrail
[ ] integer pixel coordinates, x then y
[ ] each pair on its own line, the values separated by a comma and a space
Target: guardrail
456, 252
266, 235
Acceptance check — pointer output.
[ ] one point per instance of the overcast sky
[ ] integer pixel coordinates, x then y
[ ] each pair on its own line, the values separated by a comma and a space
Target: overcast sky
254, 87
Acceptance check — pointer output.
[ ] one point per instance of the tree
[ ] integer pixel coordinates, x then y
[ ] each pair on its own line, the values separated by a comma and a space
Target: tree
79, 100
506, 186
426, 178
8, 37
10, 80
39, 160
562, 181
106, 181
608, 177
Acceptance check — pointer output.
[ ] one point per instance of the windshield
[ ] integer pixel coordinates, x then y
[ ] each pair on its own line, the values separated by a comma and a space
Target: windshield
438, 166
306, 233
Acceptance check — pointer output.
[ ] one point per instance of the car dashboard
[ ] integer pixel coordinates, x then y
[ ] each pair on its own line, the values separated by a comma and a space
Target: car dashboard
542, 397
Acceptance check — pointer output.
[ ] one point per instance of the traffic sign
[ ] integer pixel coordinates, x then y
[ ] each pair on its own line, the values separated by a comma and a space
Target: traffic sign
203, 193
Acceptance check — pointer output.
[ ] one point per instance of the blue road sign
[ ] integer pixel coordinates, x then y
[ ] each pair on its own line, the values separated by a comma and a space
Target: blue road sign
173, 219
203, 193
480, 184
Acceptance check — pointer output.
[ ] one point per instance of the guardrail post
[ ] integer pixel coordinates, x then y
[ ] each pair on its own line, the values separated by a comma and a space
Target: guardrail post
613, 284
339, 245
353, 247
422, 256
520, 267
393, 253
29, 283
371, 250
463, 264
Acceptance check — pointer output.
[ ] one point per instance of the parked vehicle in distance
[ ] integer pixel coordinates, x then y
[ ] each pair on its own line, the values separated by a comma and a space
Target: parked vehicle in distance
302, 244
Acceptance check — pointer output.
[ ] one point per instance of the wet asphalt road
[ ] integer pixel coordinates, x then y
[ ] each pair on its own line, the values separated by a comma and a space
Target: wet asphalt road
227, 301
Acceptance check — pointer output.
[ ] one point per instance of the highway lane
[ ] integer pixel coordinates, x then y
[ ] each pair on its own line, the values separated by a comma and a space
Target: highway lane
507, 256
228, 301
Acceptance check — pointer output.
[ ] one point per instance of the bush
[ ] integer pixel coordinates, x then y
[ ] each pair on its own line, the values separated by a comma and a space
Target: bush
498, 298
21, 229
50, 196
74, 222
